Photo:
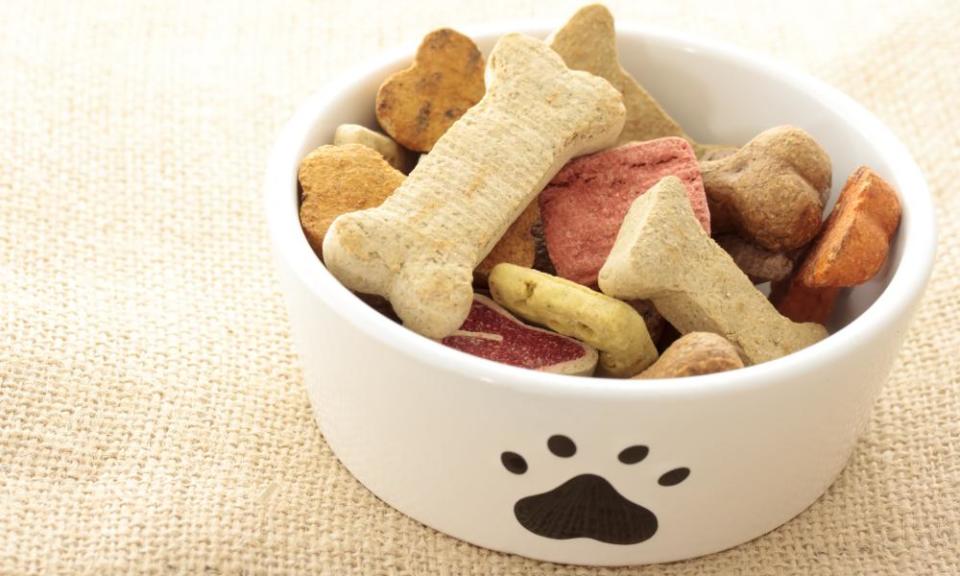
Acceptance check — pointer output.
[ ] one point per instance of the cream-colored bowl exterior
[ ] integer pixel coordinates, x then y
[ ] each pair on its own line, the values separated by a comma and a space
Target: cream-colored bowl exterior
423, 426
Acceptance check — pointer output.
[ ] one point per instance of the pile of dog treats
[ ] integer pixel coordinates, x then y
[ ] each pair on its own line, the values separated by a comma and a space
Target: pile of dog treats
542, 210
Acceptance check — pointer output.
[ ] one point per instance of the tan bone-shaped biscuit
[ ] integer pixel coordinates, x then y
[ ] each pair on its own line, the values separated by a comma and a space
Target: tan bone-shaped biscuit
772, 190
663, 254
588, 42
419, 248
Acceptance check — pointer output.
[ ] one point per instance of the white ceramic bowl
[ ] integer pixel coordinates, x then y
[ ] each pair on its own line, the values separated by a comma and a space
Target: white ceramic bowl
424, 427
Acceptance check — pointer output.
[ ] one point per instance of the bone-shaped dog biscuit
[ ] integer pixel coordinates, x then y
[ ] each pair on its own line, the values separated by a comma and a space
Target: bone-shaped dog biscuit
662, 253
588, 42
419, 248
772, 190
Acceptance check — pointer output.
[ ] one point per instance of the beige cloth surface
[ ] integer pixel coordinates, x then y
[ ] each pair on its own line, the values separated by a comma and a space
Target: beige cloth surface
152, 414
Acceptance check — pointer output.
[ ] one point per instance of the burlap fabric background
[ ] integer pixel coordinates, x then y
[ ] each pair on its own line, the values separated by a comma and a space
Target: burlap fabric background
152, 416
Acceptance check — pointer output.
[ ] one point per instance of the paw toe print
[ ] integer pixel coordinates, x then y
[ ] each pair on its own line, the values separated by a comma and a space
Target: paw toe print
587, 505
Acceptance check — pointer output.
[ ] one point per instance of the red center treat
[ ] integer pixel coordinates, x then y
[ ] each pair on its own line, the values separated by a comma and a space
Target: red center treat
493, 333
584, 205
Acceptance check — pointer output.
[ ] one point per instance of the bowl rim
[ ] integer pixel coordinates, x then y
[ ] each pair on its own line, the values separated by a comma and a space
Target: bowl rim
902, 292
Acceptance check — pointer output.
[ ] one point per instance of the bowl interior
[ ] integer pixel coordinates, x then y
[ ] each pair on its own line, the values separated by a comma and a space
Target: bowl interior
719, 95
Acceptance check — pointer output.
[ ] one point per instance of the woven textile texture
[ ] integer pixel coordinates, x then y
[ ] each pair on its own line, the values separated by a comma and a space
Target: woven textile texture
152, 412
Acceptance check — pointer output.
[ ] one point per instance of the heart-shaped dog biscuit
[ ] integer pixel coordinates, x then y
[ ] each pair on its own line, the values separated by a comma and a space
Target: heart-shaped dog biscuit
417, 105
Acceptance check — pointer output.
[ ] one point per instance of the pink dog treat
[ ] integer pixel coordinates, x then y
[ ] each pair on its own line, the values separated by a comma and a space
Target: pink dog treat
585, 203
493, 333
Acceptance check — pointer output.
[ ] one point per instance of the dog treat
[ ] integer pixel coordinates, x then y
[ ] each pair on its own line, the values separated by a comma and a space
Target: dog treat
583, 206
656, 324
772, 190
710, 152
850, 250
491, 332
339, 179
420, 247
588, 42
392, 152
801, 303
609, 325
758, 264
694, 354
855, 239
663, 254
541, 258
517, 246
417, 105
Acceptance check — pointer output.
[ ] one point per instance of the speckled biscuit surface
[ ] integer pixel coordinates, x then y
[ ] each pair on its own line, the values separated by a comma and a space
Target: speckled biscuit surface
855, 239
339, 179
420, 247
609, 325
418, 104
695, 354
392, 152
585, 203
772, 190
662, 253
491, 332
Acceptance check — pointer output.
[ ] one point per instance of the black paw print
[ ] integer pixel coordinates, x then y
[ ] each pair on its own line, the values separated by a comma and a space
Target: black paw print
587, 506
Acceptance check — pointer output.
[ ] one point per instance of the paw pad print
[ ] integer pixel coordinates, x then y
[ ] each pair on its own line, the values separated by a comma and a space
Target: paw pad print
587, 505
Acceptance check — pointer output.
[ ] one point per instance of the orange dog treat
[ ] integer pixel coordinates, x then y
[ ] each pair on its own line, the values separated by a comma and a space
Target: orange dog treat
801, 303
415, 106
855, 240
340, 179
516, 246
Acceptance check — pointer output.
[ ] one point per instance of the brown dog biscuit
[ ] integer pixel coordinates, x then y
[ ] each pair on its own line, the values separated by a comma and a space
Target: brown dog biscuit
759, 264
516, 246
708, 152
694, 354
416, 105
340, 179
855, 239
772, 190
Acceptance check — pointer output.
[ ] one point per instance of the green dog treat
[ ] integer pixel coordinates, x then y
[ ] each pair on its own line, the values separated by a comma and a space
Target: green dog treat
613, 327
662, 253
